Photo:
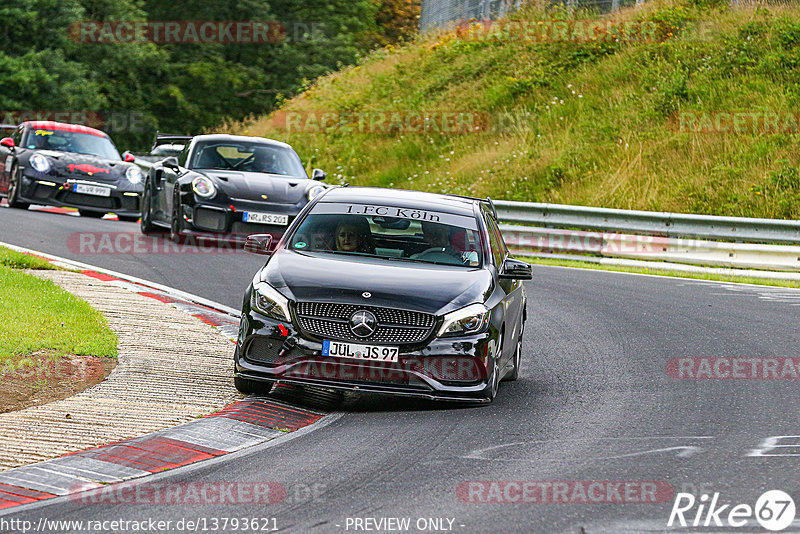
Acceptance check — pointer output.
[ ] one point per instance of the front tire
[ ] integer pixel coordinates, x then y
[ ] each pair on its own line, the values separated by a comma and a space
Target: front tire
176, 221
14, 190
494, 380
146, 222
514, 373
249, 387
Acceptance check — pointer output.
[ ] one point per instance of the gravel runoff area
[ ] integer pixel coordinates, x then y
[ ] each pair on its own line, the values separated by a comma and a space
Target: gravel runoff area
172, 368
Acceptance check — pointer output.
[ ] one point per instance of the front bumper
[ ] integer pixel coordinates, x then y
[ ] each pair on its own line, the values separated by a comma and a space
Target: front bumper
206, 218
38, 188
448, 369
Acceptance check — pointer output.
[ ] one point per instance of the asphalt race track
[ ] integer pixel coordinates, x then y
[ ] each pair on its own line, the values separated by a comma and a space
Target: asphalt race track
594, 403
216, 272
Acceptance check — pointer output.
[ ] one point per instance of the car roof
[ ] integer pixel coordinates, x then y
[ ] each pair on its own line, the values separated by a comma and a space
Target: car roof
239, 138
64, 126
404, 199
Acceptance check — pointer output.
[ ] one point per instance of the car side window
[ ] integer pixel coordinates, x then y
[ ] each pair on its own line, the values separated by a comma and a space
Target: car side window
496, 246
18, 136
183, 156
500, 241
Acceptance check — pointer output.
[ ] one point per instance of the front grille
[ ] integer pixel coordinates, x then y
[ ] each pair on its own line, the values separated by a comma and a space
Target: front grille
331, 321
207, 219
89, 200
263, 350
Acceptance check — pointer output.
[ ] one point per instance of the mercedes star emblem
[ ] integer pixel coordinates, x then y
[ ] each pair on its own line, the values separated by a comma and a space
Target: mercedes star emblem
363, 323
366, 294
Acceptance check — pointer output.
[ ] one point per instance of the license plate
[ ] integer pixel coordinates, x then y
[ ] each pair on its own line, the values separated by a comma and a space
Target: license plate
92, 190
265, 218
354, 351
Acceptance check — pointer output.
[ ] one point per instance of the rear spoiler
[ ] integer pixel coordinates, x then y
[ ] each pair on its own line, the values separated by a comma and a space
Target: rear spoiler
486, 200
8, 126
163, 138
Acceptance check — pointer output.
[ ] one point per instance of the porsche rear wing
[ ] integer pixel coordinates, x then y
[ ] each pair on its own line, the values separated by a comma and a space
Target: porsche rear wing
168, 139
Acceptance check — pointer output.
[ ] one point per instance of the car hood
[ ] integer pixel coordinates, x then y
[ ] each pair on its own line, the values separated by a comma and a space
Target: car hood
254, 185
322, 277
83, 166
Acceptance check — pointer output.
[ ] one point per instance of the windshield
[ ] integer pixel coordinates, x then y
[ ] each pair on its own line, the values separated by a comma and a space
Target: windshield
254, 157
441, 238
78, 143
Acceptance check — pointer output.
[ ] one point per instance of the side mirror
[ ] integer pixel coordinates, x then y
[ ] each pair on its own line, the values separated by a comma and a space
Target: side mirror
127, 156
318, 174
171, 163
259, 244
516, 270
8, 142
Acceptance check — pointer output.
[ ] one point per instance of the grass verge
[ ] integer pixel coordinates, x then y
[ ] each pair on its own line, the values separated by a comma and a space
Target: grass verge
36, 314
19, 260
661, 272
52, 343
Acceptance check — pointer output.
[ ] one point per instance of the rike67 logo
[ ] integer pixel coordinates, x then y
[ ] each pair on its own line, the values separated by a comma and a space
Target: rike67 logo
774, 510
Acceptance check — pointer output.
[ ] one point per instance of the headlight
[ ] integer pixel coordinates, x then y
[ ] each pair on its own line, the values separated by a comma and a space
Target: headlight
134, 175
204, 187
469, 320
265, 299
314, 191
40, 163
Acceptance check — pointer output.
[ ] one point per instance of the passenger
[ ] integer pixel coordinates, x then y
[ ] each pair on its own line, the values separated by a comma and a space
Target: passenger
436, 235
354, 235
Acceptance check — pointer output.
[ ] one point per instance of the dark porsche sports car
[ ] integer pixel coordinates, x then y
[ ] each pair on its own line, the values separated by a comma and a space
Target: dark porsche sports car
61, 164
226, 184
389, 291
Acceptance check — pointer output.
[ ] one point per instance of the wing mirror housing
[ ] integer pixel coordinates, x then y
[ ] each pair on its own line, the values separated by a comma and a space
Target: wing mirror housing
318, 174
260, 244
171, 163
9, 143
127, 156
516, 270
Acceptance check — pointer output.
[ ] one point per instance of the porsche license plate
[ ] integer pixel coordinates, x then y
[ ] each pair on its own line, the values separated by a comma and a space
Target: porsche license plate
265, 218
95, 190
354, 351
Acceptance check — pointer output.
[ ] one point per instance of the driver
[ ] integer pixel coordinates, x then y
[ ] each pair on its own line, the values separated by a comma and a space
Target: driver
80, 144
437, 237
264, 161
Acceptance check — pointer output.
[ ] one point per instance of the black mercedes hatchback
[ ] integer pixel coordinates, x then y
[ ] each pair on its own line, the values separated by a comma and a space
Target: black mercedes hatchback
382, 290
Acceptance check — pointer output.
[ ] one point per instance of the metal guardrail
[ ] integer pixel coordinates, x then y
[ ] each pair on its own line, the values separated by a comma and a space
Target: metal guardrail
684, 225
528, 241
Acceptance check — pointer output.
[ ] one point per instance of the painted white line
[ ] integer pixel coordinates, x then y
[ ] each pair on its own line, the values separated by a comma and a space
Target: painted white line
72, 264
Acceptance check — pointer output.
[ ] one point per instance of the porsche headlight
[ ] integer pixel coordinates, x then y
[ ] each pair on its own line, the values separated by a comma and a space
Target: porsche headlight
266, 299
40, 163
469, 320
134, 175
204, 187
314, 192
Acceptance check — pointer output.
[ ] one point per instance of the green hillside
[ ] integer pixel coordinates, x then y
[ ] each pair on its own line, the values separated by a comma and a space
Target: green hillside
688, 106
